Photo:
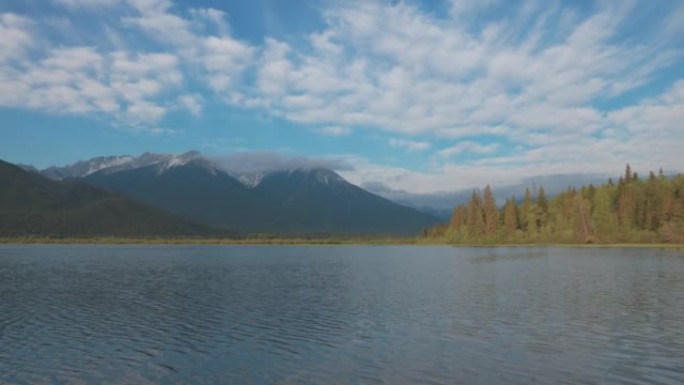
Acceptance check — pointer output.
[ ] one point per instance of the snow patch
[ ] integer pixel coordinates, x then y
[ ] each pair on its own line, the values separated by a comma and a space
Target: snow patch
186, 158
251, 180
107, 162
176, 161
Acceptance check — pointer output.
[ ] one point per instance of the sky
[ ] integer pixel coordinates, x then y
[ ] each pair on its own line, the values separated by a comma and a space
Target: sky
419, 96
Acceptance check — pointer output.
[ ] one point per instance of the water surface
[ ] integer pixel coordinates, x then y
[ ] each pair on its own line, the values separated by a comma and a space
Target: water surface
340, 315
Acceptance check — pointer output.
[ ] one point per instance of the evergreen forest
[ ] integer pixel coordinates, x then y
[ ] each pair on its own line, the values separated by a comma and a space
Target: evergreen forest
631, 210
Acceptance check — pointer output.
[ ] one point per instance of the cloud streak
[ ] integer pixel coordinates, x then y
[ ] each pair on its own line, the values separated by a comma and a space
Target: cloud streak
545, 87
265, 161
409, 145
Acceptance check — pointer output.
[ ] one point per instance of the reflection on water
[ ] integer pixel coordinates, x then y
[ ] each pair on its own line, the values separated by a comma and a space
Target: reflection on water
339, 315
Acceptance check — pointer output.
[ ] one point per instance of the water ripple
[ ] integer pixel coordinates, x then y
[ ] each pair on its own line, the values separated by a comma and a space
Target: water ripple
297, 315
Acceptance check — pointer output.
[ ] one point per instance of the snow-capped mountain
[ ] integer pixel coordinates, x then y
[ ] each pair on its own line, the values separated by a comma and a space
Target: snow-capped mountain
114, 164
299, 201
86, 167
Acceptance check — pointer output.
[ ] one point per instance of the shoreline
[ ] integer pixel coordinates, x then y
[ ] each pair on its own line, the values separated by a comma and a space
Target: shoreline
310, 242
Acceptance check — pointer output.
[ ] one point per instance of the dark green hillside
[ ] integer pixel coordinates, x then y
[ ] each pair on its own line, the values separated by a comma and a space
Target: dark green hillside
31, 205
321, 201
191, 191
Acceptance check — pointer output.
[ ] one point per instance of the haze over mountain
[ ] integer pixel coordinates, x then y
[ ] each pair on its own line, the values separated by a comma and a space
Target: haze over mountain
312, 201
442, 203
31, 204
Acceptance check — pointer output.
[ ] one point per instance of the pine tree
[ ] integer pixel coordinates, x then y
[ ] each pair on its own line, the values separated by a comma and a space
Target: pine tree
653, 203
510, 217
525, 211
603, 217
583, 223
458, 217
672, 228
626, 207
475, 221
628, 173
543, 205
458, 222
491, 212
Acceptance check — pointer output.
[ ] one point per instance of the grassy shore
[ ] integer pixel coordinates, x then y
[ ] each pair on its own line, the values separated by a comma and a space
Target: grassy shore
211, 241
310, 241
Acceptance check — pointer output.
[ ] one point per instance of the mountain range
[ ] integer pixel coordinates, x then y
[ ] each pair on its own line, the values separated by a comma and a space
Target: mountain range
313, 201
32, 205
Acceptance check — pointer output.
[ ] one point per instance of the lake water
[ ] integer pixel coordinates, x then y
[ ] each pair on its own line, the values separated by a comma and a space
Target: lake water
340, 315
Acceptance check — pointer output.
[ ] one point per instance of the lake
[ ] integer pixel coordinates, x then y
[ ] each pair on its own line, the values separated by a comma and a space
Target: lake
340, 315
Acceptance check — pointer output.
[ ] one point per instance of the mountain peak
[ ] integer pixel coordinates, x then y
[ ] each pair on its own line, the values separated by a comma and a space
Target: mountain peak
306, 176
326, 176
191, 154
85, 167
186, 158
112, 164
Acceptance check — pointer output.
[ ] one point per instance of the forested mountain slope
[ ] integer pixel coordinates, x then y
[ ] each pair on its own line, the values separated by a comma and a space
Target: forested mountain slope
31, 205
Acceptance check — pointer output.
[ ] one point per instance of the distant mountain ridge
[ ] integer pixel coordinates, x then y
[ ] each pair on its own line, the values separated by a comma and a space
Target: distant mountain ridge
301, 201
32, 205
442, 203
160, 162
113, 164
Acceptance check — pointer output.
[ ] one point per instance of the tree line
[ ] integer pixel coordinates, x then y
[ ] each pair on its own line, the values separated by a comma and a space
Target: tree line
633, 210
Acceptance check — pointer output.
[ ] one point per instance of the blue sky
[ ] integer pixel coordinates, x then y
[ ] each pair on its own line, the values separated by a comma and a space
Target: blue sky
421, 96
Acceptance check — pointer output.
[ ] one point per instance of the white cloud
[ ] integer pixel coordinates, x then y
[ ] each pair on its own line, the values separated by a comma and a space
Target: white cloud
334, 131
164, 27
142, 112
81, 80
265, 161
274, 68
138, 79
92, 4
63, 81
397, 69
193, 103
468, 146
16, 35
647, 135
150, 6
221, 58
470, 8
451, 177
409, 145
650, 131
160, 131
445, 178
74, 59
410, 73
224, 59
214, 16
